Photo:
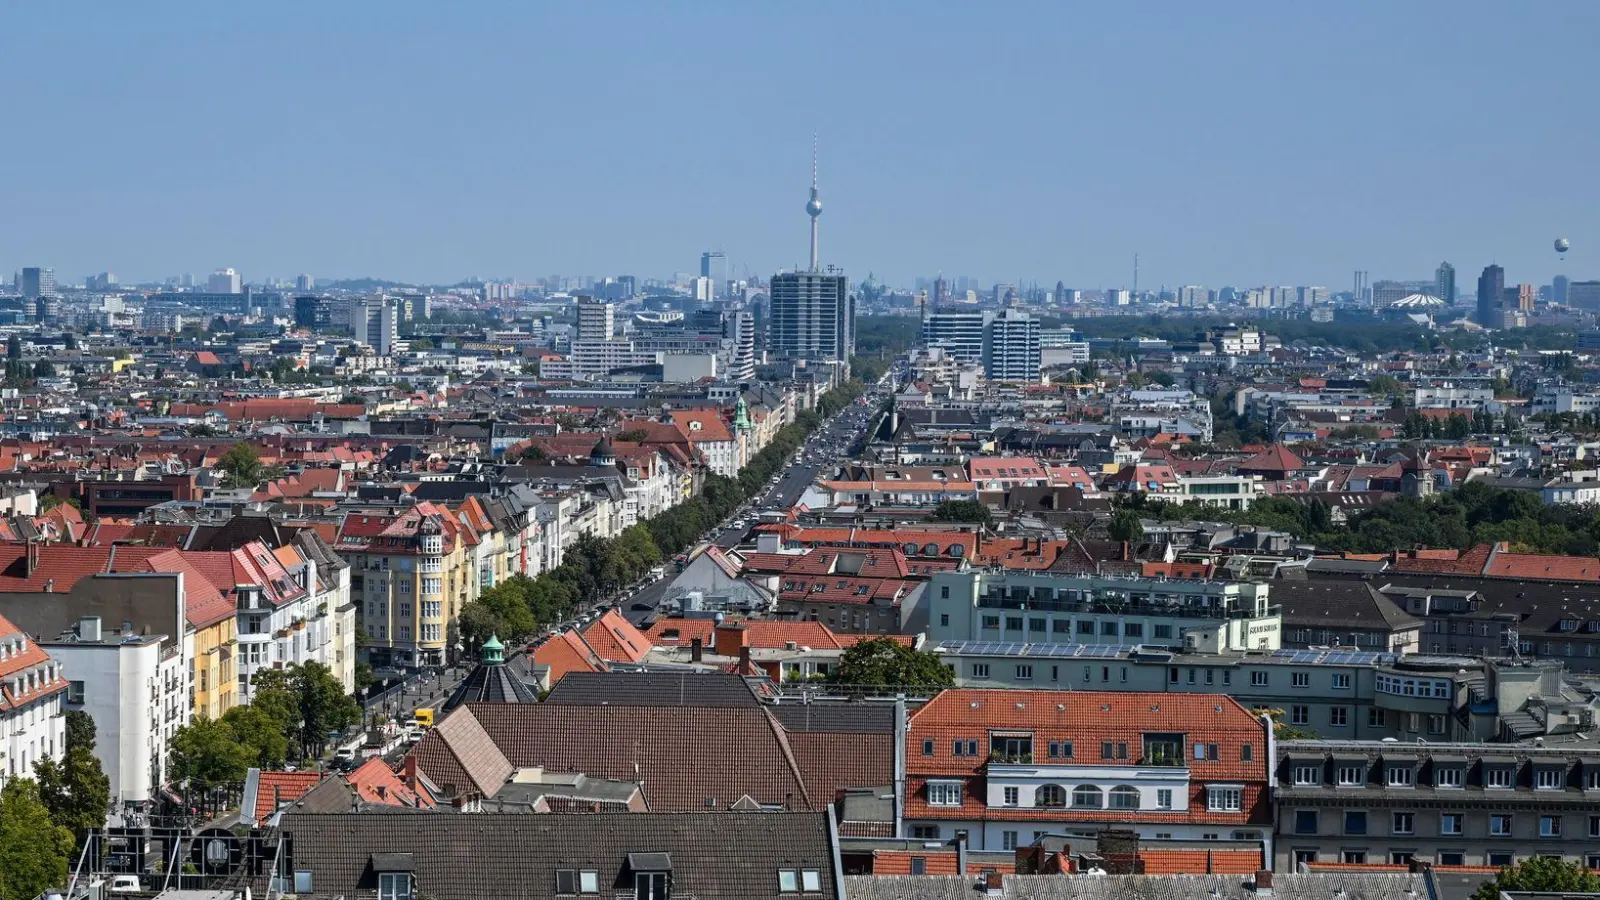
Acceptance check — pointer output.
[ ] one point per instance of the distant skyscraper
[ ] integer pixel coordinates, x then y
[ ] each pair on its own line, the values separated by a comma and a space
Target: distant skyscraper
1445, 283
37, 282
1558, 289
1011, 348
1519, 297
813, 314
740, 327
959, 332
1491, 288
941, 292
304, 283
703, 289
1584, 295
596, 319
714, 266
223, 281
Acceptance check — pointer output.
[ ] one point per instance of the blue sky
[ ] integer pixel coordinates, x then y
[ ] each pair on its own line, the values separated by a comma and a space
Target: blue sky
1227, 143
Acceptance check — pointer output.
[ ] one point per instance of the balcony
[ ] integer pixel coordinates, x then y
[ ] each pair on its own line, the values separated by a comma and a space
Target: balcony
1176, 609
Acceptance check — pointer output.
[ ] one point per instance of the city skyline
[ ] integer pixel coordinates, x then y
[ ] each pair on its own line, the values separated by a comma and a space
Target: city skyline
1031, 160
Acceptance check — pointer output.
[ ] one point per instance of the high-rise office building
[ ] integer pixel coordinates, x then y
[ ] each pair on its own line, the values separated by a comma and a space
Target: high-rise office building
596, 319
315, 313
303, 283
941, 291
1192, 295
1519, 297
1558, 289
223, 281
959, 332
740, 327
703, 289
714, 266
1584, 295
1491, 288
1011, 350
1444, 279
37, 282
812, 312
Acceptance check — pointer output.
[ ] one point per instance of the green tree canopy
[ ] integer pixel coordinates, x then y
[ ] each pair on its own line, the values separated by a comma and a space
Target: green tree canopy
962, 511
34, 849
205, 753
887, 663
80, 729
1540, 874
1125, 526
241, 466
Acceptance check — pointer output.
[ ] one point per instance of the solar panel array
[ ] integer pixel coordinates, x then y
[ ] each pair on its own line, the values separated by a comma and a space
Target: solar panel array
1050, 651
1335, 657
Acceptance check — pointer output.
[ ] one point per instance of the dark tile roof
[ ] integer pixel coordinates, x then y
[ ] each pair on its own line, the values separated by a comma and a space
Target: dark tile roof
680, 688
687, 758
714, 856
846, 717
1345, 604
491, 683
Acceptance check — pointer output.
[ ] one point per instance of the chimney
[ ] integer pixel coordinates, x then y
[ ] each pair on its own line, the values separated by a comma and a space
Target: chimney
729, 638
993, 884
1263, 885
33, 556
697, 650
744, 660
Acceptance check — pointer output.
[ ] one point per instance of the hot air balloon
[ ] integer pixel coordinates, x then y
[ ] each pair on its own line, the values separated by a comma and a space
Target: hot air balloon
1563, 245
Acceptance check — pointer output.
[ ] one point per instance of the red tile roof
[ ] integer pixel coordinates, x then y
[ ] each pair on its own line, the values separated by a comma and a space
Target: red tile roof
275, 790
615, 639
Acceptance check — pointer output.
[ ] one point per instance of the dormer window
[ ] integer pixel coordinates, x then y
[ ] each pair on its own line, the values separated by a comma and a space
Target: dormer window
394, 886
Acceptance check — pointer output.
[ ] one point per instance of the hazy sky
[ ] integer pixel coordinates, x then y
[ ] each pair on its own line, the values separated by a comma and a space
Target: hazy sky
1234, 142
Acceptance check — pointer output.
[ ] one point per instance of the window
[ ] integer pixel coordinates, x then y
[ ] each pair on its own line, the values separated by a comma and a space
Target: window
1164, 798
74, 692
1060, 749
788, 881
980, 670
1338, 716
811, 881
1299, 715
1355, 857
1124, 797
1355, 821
925, 832
1400, 776
1341, 681
1036, 623
1164, 631
1013, 623
1085, 626
1450, 823
1592, 860
1377, 718
1008, 840
1548, 779
944, 592
919, 864
1500, 826
1435, 724
1446, 777
1246, 752
1405, 823
1501, 858
394, 886
1401, 858
1024, 673
927, 747
1497, 776
1205, 751
1549, 826
991, 622
1300, 679
944, 793
1258, 679
1109, 629
1594, 826
964, 748
1224, 798
944, 620
1305, 821
1307, 774
1050, 795
1087, 796
1011, 796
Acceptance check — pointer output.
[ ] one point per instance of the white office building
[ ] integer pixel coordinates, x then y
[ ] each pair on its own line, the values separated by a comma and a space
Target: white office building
224, 281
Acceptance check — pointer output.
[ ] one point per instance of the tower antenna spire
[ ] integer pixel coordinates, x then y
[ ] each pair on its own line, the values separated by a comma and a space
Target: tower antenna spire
814, 207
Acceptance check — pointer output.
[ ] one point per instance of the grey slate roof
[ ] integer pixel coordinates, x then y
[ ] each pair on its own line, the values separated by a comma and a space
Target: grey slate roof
872, 718
1319, 886
670, 688
714, 856
492, 683
1338, 604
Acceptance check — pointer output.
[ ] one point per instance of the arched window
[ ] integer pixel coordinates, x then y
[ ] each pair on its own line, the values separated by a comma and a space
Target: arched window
1124, 797
1087, 796
1050, 795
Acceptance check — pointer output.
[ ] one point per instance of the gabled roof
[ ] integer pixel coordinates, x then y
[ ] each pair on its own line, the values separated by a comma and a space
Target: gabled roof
1276, 458
615, 639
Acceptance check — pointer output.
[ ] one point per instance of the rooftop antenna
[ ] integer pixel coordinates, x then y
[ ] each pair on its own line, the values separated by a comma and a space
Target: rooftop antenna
814, 206
1136, 276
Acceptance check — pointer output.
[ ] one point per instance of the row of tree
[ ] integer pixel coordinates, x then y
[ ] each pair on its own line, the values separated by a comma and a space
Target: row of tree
45, 818
595, 567
289, 718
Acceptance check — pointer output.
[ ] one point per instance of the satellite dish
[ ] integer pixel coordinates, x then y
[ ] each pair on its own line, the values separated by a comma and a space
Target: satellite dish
1563, 245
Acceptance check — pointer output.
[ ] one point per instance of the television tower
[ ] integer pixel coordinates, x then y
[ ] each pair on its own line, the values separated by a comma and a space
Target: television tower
814, 207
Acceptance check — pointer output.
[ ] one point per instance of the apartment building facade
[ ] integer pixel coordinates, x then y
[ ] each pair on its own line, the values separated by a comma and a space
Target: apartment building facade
1070, 608
1367, 802
411, 572
1000, 768
32, 688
